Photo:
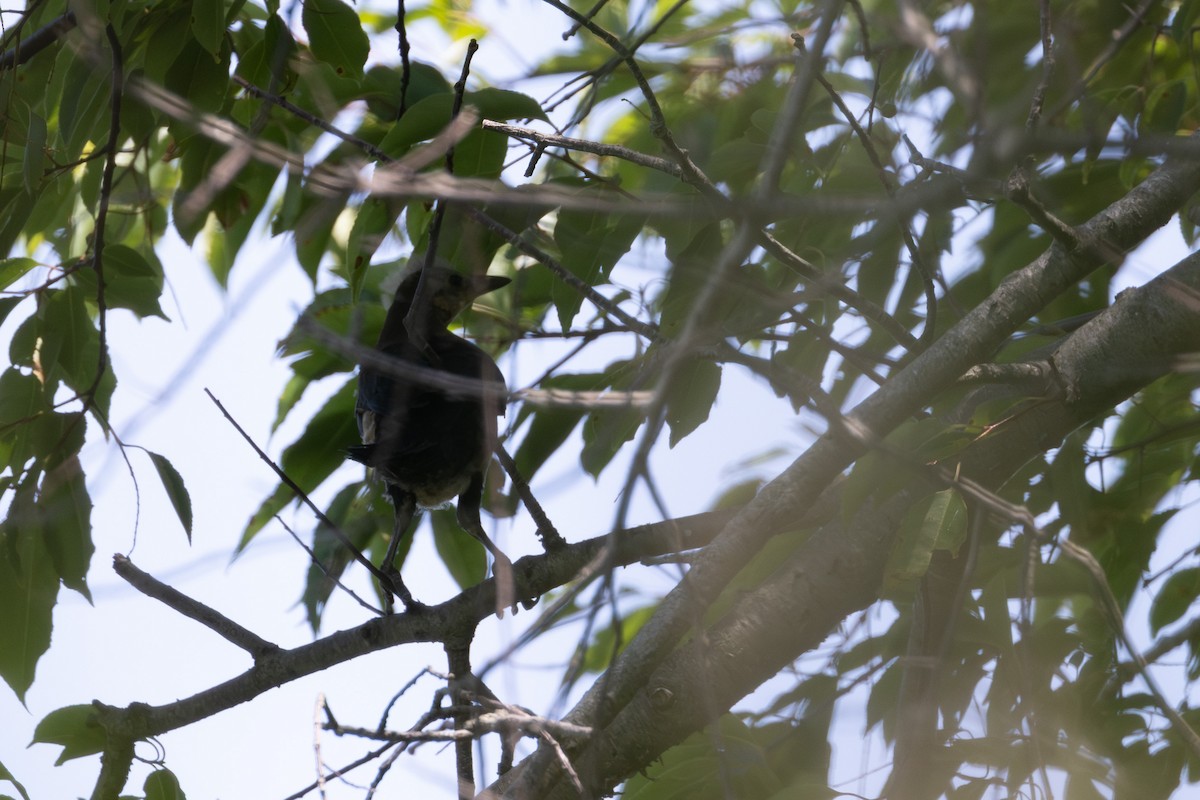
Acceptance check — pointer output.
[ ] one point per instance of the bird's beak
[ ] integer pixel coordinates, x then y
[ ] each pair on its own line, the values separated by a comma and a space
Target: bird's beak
482, 284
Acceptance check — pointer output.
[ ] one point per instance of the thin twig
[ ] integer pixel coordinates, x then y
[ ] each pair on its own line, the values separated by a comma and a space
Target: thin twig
1039, 94
403, 46
887, 180
324, 569
1117, 622
551, 538
303, 496
544, 140
565, 275
106, 182
337, 773
227, 629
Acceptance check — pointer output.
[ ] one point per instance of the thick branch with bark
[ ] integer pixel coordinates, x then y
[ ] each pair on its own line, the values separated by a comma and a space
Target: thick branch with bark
838, 571
972, 341
274, 667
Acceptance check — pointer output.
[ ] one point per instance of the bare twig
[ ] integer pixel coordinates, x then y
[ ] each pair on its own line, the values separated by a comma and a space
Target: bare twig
1117, 623
458, 657
551, 538
544, 140
565, 275
402, 45
303, 496
339, 772
324, 569
1039, 94
106, 182
212, 619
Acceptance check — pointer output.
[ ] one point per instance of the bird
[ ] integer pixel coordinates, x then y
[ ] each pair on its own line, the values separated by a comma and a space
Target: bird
430, 441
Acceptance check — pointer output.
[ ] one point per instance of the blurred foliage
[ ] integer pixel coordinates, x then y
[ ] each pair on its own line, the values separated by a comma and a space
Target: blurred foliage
154, 150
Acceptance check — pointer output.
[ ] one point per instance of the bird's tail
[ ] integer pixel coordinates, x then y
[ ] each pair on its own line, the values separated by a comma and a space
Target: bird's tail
362, 453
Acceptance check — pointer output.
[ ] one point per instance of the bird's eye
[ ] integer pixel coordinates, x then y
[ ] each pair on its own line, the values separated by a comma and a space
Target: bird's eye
456, 280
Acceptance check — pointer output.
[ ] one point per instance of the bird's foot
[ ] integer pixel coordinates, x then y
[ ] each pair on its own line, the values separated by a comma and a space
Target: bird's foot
550, 538
393, 586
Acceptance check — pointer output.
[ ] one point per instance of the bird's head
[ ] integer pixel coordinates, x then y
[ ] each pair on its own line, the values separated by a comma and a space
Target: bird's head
449, 292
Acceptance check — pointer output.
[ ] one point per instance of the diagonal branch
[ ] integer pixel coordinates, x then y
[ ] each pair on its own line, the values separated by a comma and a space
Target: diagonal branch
839, 569
1118, 228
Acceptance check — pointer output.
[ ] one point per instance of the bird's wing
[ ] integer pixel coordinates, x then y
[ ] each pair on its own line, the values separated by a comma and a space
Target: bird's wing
458, 356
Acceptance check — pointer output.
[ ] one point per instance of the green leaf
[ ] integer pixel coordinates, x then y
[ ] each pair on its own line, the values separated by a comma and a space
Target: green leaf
161, 784
28, 592
131, 281
208, 24
591, 244
371, 225
1177, 594
200, 77
314, 229
7, 304
426, 118
22, 402
691, 396
35, 154
12, 269
550, 427
66, 512
266, 61
81, 115
382, 84
421, 122
605, 431
938, 522
70, 345
5, 775
480, 154
504, 104
73, 727
177, 493
461, 553
336, 36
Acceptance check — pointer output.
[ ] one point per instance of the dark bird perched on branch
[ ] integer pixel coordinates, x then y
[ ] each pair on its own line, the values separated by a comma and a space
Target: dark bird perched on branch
429, 426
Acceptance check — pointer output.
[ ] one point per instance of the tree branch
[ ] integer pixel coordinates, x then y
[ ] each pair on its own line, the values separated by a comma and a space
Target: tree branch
838, 570
981, 331
212, 619
534, 575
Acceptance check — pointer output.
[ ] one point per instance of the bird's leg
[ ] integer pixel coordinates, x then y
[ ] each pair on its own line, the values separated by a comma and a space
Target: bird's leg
405, 505
468, 519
